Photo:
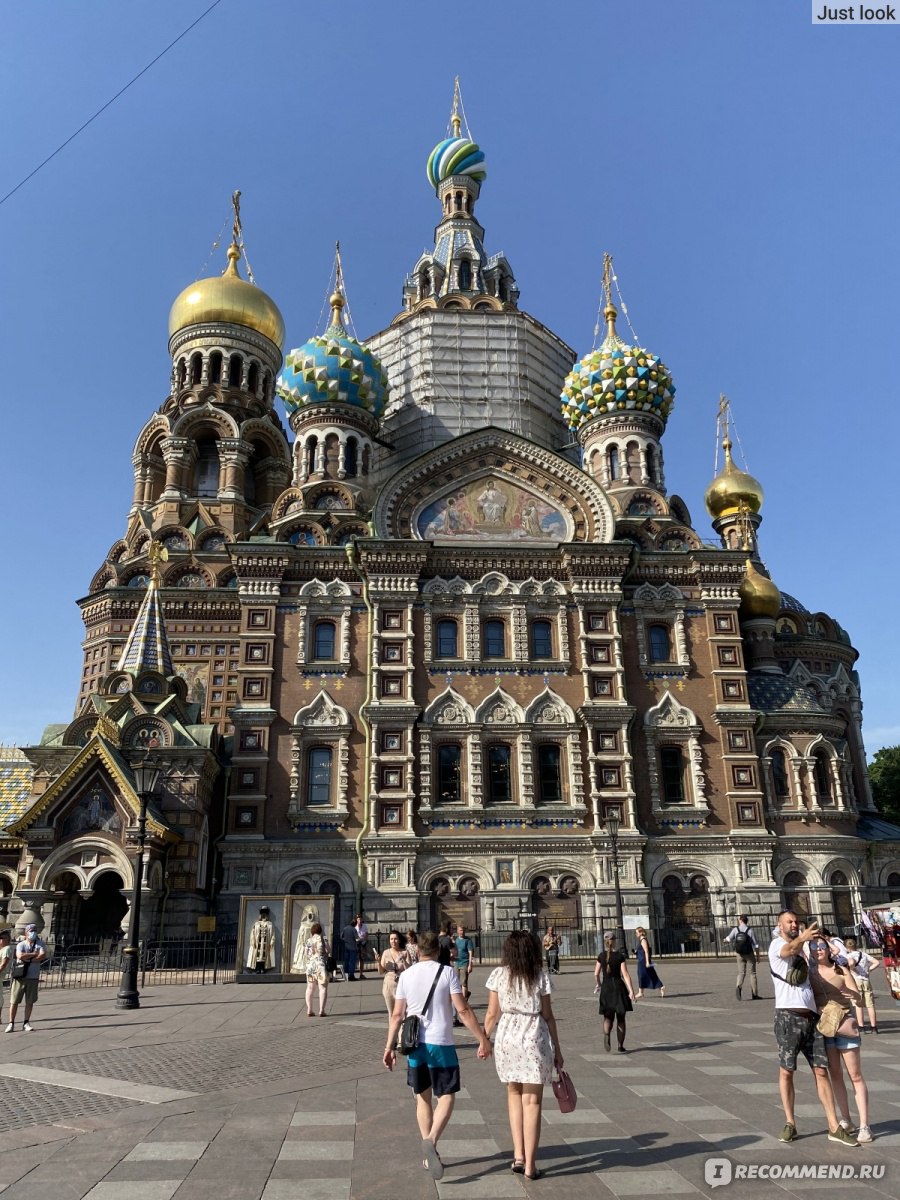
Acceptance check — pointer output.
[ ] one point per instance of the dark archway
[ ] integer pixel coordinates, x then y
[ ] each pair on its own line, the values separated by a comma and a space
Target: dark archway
842, 905
796, 894
66, 889
100, 916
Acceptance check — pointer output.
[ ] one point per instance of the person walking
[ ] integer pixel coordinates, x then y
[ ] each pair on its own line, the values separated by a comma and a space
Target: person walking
412, 946
860, 964
446, 945
350, 944
433, 1067
646, 972
6, 957
743, 942
796, 1015
392, 962
526, 1043
32, 953
831, 982
362, 944
616, 991
316, 952
551, 944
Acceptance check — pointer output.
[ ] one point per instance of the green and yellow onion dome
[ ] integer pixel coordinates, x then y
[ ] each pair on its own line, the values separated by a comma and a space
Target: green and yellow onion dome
333, 369
616, 378
759, 595
455, 156
228, 298
733, 491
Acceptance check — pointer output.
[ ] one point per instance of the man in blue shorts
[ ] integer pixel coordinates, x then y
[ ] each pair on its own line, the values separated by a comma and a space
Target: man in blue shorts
432, 1068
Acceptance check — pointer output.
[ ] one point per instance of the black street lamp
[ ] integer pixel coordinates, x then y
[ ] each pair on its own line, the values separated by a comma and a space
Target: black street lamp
145, 777
612, 828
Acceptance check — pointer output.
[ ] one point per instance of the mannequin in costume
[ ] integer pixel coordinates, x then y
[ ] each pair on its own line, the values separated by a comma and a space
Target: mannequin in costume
309, 918
262, 944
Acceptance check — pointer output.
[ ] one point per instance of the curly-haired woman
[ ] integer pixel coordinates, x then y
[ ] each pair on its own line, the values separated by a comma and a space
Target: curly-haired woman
526, 1047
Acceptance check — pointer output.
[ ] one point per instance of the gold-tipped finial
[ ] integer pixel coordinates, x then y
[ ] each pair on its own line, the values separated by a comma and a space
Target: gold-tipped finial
732, 487
156, 553
610, 312
234, 250
455, 118
337, 299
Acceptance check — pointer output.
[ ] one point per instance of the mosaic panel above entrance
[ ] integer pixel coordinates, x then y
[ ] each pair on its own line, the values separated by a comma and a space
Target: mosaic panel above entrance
490, 509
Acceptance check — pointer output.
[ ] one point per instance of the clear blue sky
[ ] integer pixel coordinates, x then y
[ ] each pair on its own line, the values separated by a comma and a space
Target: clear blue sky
741, 165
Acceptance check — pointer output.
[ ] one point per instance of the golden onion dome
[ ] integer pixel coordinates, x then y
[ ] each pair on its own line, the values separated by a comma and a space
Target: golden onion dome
228, 297
733, 491
759, 595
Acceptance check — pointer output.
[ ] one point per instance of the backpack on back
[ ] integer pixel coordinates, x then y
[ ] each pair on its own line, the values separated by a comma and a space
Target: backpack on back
742, 942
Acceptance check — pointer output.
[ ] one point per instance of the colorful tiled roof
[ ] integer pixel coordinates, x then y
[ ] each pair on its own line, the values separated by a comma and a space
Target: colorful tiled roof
771, 693
15, 784
147, 648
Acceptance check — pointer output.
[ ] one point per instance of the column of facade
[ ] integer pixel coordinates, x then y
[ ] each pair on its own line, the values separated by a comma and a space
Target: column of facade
234, 455
174, 452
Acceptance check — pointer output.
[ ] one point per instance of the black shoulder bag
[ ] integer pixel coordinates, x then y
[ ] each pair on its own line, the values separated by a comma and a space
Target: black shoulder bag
409, 1030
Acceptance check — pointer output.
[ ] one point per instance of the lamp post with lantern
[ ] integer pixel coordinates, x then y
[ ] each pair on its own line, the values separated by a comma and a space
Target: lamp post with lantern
613, 821
145, 779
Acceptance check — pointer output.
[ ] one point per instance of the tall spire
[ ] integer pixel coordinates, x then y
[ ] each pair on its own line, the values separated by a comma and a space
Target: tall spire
610, 312
455, 118
147, 648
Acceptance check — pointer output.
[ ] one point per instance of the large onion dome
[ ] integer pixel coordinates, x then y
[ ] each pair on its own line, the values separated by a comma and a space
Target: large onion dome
455, 156
228, 298
759, 595
733, 491
334, 368
617, 378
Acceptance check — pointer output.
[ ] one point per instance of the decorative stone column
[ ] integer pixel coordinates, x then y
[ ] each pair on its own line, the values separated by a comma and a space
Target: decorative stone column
33, 899
489, 914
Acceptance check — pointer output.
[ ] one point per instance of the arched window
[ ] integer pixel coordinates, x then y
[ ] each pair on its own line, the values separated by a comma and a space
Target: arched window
424, 285
253, 378
494, 639
541, 639
612, 460
499, 778
549, 774
893, 883
796, 897
671, 764
351, 457
312, 446
449, 776
822, 776
250, 485
318, 780
660, 646
465, 275
206, 469
267, 384
196, 368
324, 638
780, 775
651, 464
235, 370
447, 639
457, 201
365, 460
182, 372
215, 367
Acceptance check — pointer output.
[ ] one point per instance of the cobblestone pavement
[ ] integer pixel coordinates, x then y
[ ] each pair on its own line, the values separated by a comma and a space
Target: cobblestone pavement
232, 1093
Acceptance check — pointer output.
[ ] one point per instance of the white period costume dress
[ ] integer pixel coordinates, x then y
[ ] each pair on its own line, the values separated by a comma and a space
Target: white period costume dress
523, 1049
310, 918
262, 945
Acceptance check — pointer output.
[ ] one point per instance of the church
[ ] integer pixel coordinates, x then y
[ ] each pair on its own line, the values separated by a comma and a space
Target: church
417, 623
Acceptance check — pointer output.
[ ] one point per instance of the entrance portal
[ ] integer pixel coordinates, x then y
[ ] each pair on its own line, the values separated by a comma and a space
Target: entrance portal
100, 916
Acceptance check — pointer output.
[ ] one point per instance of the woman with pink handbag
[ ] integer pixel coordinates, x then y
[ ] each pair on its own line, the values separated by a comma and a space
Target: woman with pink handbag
526, 1046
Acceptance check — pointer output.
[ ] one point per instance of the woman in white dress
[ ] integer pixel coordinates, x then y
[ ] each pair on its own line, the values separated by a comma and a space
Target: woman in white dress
526, 1046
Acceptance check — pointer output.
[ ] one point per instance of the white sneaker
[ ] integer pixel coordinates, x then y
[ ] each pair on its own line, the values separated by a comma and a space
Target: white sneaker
28, 1027
10, 1028
865, 1134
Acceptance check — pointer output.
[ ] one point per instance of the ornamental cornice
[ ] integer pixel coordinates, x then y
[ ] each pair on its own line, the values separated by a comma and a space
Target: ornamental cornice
732, 718
216, 334
613, 714
824, 843
477, 847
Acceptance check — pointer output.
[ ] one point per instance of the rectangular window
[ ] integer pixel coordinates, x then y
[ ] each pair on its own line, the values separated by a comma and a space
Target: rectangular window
449, 778
447, 639
499, 778
671, 762
660, 644
318, 783
549, 775
598, 621
324, 641
541, 639
220, 649
494, 639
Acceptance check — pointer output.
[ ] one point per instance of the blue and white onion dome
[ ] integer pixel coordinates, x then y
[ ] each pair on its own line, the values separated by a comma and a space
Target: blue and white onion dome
455, 156
616, 378
333, 369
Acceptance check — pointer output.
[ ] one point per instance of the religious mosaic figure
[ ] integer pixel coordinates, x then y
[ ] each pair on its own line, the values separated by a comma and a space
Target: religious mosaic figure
493, 504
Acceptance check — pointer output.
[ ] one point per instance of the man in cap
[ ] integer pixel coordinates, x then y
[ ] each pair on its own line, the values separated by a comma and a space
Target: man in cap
31, 952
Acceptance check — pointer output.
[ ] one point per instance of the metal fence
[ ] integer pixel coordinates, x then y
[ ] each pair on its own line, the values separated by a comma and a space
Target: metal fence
199, 960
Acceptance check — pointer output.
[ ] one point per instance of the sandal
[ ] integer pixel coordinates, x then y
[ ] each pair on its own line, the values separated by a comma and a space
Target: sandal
537, 1174
517, 1166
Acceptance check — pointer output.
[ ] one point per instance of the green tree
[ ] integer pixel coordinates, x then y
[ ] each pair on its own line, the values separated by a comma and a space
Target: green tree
884, 776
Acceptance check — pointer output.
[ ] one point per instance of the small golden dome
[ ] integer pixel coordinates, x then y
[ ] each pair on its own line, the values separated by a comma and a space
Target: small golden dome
733, 490
227, 297
759, 595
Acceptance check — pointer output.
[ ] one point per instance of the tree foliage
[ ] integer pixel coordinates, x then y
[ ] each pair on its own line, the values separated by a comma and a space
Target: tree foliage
884, 776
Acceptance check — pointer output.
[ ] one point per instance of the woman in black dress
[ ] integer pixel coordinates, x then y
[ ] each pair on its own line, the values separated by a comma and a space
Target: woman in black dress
616, 993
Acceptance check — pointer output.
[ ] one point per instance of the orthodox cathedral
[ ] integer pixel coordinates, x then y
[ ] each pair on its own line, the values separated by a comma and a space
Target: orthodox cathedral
444, 646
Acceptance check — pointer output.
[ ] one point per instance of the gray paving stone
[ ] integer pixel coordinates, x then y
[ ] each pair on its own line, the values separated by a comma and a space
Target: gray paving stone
583, 1115
313, 1150
649, 1090
139, 1189
627, 1071
165, 1151
723, 1070
313, 1189
692, 1056
646, 1182
699, 1112
502, 1186
758, 1089
308, 1118
466, 1148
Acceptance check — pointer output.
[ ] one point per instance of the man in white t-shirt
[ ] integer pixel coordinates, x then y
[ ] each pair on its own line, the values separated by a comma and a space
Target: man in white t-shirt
796, 1017
432, 1068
